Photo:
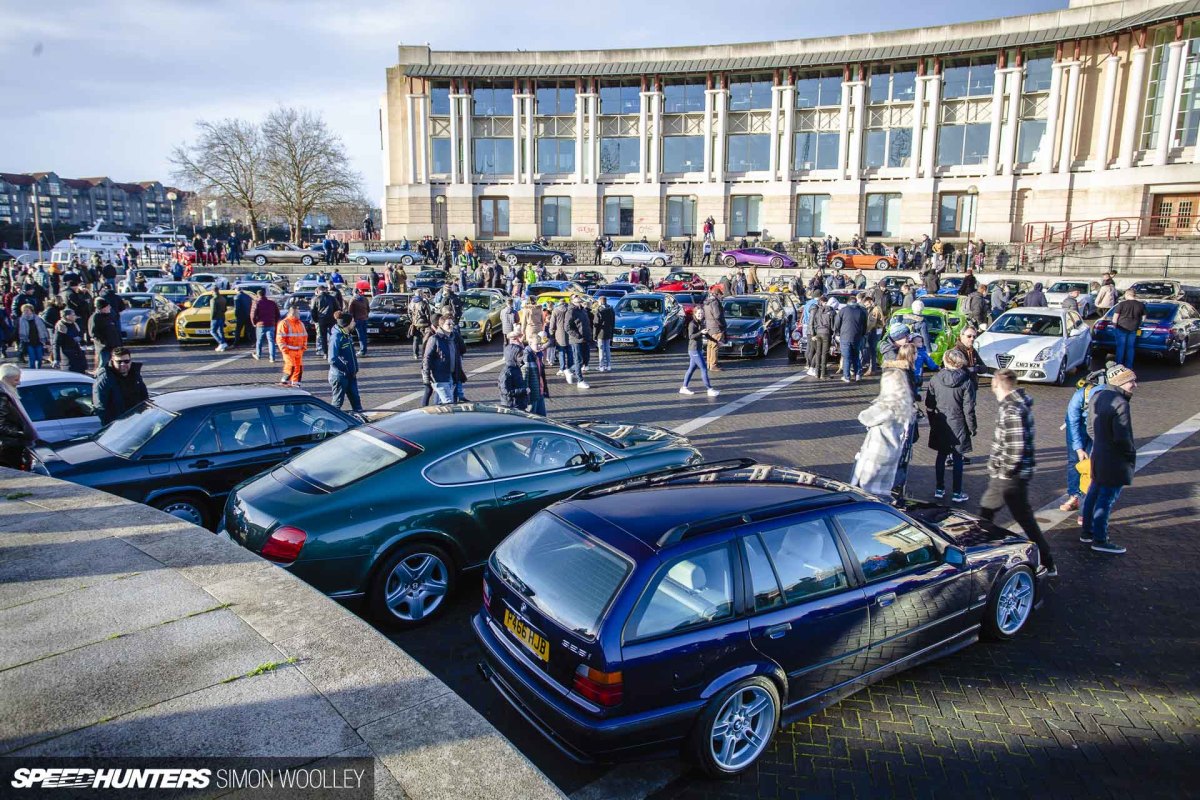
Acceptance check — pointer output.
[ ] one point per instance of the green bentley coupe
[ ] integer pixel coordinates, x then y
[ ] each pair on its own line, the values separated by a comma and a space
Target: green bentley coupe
481, 314
394, 510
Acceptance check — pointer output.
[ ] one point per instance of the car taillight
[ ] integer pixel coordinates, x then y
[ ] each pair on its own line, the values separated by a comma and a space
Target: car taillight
1101, 325
283, 545
602, 688
487, 594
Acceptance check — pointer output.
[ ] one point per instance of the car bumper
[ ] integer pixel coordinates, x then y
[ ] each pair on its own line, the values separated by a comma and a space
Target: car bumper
1027, 371
1149, 346
738, 349
640, 341
580, 737
386, 331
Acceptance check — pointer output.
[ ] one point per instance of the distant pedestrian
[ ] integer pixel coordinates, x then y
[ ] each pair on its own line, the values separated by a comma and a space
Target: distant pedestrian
604, 320
216, 325
292, 338
443, 359
264, 316
1079, 441
68, 342
535, 375
105, 332
1127, 318
360, 310
1114, 455
822, 323
242, 303
343, 363
698, 339
511, 382
33, 335
950, 408
851, 328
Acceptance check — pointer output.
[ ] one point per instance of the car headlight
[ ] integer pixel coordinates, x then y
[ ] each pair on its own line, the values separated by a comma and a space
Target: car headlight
469, 324
648, 329
1045, 355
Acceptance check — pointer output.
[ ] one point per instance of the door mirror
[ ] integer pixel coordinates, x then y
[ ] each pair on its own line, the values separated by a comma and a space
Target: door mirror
594, 461
954, 555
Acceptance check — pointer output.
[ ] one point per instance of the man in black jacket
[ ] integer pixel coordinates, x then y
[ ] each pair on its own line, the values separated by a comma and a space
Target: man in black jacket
216, 323
714, 326
578, 330
324, 306
119, 388
1114, 455
603, 321
851, 327
105, 331
241, 314
821, 320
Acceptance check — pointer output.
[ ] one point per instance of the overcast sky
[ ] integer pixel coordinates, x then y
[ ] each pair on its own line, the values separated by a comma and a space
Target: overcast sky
108, 87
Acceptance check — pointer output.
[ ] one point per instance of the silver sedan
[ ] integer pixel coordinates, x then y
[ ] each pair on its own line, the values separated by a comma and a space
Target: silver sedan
283, 253
406, 257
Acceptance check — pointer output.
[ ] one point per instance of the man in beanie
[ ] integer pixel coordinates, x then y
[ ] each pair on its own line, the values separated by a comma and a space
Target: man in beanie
1114, 454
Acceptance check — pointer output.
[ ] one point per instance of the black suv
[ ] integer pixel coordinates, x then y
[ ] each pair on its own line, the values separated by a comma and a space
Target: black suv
183, 452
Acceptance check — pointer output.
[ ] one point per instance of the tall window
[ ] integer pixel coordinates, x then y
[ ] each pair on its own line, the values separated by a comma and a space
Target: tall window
748, 93
1035, 105
893, 84
1039, 68
811, 210
681, 216
556, 216
683, 153
491, 101
1158, 92
683, 95
1187, 121
889, 118
620, 97
743, 215
494, 157
439, 100
962, 144
555, 156
819, 90
619, 155
883, 215
748, 152
555, 98
440, 155
815, 143
493, 217
816, 150
956, 214
618, 216
969, 77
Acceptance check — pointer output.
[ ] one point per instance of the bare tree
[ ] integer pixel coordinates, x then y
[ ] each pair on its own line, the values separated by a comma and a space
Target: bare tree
306, 166
226, 161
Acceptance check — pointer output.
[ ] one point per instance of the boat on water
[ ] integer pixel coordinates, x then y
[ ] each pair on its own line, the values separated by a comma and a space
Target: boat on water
92, 240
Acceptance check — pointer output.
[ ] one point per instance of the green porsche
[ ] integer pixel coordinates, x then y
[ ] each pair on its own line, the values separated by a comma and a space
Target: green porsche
394, 510
943, 326
481, 314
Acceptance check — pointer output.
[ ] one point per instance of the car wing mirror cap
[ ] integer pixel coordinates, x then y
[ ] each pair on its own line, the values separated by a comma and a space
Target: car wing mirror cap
955, 555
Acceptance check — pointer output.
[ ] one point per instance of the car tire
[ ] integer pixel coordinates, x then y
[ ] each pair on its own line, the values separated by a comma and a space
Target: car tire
260, 260
307, 261
730, 261
659, 262
838, 263
556, 261
1180, 357
882, 264
1061, 378
776, 262
429, 566
1010, 604
361, 261
151, 332
187, 507
511, 260
407, 261
749, 708
616, 261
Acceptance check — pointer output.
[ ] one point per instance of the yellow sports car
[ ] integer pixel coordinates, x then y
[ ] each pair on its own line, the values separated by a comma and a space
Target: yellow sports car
547, 300
195, 324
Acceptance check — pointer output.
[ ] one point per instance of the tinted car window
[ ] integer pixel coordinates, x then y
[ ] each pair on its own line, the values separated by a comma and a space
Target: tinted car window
884, 543
762, 577
241, 429
348, 458
1028, 324
806, 559
694, 590
205, 441
529, 454
299, 423
641, 305
69, 400
128, 433
463, 467
36, 402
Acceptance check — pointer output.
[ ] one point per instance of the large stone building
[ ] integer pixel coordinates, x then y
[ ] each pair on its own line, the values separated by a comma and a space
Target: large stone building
976, 129
83, 201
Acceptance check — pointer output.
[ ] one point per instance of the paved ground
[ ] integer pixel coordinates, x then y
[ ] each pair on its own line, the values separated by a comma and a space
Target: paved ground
1098, 698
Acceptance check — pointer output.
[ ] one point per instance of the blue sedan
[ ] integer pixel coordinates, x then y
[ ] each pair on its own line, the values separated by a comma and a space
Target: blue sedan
647, 321
754, 324
946, 287
1171, 330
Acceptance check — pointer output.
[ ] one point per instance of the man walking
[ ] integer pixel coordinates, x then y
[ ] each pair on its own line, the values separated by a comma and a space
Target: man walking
603, 322
324, 306
242, 303
851, 325
1128, 316
264, 316
577, 326
442, 359
1010, 466
715, 326
343, 364
977, 307
292, 338
419, 313
119, 387
1114, 455
359, 310
822, 321
105, 333
875, 323
1079, 442
216, 325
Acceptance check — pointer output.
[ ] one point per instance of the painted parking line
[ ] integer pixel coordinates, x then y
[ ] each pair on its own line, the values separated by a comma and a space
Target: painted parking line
736, 405
411, 396
163, 382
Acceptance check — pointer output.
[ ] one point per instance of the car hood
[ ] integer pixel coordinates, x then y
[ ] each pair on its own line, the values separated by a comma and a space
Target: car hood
80, 453
965, 530
628, 320
476, 314
740, 327
1019, 345
636, 438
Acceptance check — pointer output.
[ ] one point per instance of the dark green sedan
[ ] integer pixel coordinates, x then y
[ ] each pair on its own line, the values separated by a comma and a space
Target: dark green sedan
396, 509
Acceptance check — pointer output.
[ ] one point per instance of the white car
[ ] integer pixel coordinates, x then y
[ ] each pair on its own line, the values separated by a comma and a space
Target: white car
312, 280
1059, 290
1041, 345
153, 276
635, 253
59, 403
209, 280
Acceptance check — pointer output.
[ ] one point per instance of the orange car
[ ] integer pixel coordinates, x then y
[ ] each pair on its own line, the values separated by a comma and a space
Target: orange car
857, 258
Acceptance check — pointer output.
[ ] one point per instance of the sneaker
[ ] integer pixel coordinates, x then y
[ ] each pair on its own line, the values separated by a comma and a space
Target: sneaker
938, 494
812, 373
582, 384
1079, 520
221, 348
1085, 537
858, 377
569, 376
583, 369
845, 379
1072, 504
713, 392
272, 361
560, 373
254, 356
685, 390
959, 497
1112, 548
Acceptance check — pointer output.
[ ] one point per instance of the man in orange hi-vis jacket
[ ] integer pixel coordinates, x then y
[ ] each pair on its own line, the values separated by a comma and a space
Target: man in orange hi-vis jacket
292, 339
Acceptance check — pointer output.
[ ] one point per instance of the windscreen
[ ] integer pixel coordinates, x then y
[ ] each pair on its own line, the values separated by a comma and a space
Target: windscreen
138, 302
125, 435
1028, 325
388, 303
641, 305
743, 309
477, 301
347, 458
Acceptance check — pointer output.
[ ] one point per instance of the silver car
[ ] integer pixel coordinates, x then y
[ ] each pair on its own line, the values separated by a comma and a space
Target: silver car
283, 253
635, 253
146, 316
58, 403
397, 256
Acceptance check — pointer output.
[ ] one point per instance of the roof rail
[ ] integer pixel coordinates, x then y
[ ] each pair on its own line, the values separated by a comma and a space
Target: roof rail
686, 529
642, 481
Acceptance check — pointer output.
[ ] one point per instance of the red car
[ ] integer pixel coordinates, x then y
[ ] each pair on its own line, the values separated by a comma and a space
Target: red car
681, 281
688, 300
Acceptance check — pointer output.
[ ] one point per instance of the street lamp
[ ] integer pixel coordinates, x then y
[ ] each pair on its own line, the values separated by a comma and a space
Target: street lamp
440, 217
171, 198
192, 214
973, 193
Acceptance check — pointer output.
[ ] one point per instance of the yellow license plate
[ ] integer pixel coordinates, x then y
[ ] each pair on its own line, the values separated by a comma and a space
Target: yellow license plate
536, 643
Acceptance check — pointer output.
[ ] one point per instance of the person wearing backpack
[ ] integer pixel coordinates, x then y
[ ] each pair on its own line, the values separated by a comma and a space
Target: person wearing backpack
1079, 442
513, 391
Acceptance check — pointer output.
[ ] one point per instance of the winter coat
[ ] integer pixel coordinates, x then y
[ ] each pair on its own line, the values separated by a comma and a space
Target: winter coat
877, 460
264, 312
558, 325
977, 307
1111, 426
14, 430
443, 358
533, 320
714, 314
1035, 298
535, 376
360, 308
579, 326
822, 320
1012, 455
603, 322
242, 304
104, 329
513, 391
342, 346
43, 330
508, 320
114, 394
69, 340
851, 323
324, 306
950, 408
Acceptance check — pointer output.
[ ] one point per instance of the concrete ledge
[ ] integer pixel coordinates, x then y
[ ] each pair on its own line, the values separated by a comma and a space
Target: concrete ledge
125, 632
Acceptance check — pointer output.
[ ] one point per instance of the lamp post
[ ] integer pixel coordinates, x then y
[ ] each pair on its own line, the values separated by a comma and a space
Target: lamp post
973, 193
192, 214
37, 220
171, 198
440, 203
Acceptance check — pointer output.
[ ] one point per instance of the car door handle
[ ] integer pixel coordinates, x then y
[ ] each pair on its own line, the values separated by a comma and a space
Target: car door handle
885, 600
513, 497
201, 464
776, 631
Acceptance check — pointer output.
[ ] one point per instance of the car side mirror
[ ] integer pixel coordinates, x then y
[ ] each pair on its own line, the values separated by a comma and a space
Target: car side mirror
954, 556
594, 461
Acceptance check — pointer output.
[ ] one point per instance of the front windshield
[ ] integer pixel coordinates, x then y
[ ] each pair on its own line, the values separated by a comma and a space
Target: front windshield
1028, 325
641, 305
139, 302
431, 273
477, 301
743, 309
388, 303
126, 435
951, 283
311, 276
171, 290
537, 290
203, 301
1063, 286
678, 276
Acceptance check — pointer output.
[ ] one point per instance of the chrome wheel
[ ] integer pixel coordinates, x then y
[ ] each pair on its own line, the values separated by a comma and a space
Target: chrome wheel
184, 510
416, 586
1014, 602
742, 728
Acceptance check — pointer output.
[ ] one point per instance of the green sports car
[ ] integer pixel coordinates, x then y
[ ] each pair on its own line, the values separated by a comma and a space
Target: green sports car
395, 509
943, 326
481, 314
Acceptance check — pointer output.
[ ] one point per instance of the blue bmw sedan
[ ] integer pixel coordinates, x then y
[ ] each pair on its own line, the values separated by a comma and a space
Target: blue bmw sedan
1171, 331
647, 321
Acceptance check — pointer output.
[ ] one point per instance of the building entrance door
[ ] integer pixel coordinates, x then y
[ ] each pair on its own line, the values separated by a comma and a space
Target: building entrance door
1175, 215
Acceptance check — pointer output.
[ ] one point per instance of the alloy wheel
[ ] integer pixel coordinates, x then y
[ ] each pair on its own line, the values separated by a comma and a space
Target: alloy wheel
742, 728
1014, 603
416, 586
184, 510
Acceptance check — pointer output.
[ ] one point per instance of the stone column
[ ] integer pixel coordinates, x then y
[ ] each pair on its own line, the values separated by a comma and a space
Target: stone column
993, 158
1015, 76
424, 136
918, 115
1133, 108
787, 102
411, 129
1067, 150
1108, 101
530, 110
722, 100
654, 140
1170, 104
933, 88
1046, 156
709, 105
773, 158
454, 139
580, 101
844, 128
854, 165
593, 157
517, 114
465, 116
643, 136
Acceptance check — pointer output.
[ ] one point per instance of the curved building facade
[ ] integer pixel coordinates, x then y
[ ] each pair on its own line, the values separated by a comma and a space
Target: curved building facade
979, 130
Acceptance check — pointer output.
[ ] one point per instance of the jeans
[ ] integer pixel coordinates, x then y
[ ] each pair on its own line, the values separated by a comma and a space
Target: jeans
418, 341
264, 332
939, 466
242, 329
564, 358
818, 354
851, 366
538, 407
1014, 493
901, 478
344, 386
360, 325
36, 353
868, 358
577, 352
323, 328
696, 362
444, 392
605, 346
1072, 473
1125, 346
1097, 507
217, 329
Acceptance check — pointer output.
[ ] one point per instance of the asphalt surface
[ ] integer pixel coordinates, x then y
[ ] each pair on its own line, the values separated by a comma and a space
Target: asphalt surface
1099, 697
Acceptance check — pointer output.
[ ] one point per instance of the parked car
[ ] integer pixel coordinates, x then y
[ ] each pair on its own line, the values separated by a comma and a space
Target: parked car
636, 253
688, 300
251, 287
181, 293
311, 280
389, 316
679, 281
534, 253
857, 258
432, 279
612, 294
1166, 290
623, 285
284, 253
152, 275
758, 256
397, 256
481, 315
395, 510
725, 601
1041, 345
647, 321
588, 278
195, 323
943, 327
59, 404
1059, 290
209, 280
183, 452
264, 277
1171, 331
146, 316
755, 323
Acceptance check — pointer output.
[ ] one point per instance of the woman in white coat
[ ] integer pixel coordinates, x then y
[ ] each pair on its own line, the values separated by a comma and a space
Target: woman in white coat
887, 421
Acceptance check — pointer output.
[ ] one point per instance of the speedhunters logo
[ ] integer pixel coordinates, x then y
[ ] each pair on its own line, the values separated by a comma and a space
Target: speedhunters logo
67, 778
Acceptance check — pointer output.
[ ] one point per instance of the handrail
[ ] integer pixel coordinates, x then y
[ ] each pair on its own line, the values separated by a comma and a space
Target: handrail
1057, 237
